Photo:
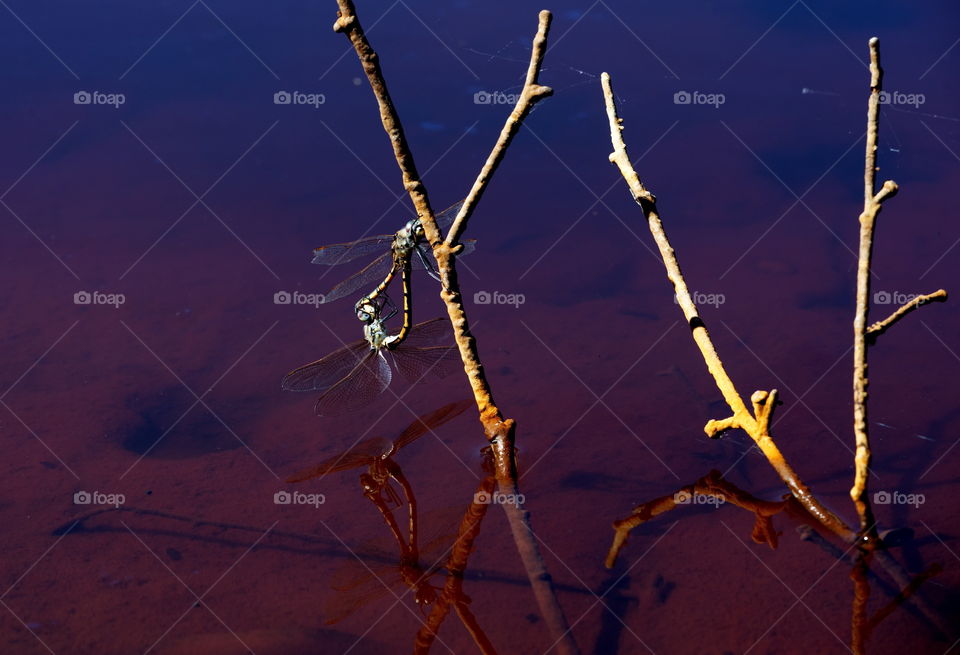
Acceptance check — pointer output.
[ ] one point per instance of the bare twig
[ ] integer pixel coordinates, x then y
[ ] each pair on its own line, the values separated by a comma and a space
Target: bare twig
348, 23
499, 431
872, 203
531, 93
757, 424
880, 327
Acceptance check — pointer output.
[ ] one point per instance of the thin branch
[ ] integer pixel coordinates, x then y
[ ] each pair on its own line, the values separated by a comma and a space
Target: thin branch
880, 327
531, 93
348, 23
872, 203
499, 431
756, 425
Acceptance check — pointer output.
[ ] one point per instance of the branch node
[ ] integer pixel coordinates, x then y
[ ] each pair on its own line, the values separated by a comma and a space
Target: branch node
713, 428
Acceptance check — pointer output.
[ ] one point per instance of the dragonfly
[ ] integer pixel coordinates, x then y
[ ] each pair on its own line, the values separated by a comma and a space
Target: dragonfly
404, 246
353, 376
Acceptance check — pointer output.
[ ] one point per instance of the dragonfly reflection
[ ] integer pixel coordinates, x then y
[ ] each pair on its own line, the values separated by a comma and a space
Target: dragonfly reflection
357, 587
377, 455
406, 245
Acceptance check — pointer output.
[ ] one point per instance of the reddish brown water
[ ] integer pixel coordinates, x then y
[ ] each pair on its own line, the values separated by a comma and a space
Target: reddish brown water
596, 365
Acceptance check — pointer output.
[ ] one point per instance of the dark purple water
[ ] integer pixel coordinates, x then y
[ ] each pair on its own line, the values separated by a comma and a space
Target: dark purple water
596, 365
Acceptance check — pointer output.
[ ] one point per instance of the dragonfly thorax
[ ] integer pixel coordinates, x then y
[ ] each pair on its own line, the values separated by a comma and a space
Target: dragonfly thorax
407, 237
375, 334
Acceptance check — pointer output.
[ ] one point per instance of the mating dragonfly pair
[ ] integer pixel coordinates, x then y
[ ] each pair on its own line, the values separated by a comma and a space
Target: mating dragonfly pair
354, 375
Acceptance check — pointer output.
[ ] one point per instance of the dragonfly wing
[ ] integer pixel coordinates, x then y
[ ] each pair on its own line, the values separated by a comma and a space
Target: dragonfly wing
339, 253
324, 373
429, 422
435, 332
414, 363
359, 455
445, 218
358, 388
469, 245
365, 279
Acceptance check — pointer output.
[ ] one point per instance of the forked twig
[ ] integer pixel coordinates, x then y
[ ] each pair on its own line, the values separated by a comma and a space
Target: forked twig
499, 431
757, 424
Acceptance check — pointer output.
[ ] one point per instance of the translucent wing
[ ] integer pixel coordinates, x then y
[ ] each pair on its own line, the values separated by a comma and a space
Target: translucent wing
339, 253
360, 455
364, 280
364, 383
414, 364
324, 373
435, 332
429, 422
469, 245
445, 218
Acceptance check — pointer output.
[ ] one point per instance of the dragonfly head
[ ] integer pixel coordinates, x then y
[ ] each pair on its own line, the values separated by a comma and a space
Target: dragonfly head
366, 310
